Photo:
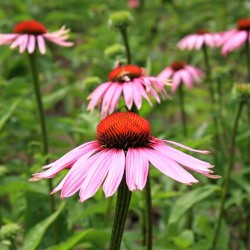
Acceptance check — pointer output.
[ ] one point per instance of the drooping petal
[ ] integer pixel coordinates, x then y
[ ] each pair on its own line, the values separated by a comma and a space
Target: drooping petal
128, 94
165, 74
186, 78
66, 161
31, 44
41, 44
97, 95
137, 167
96, 175
176, 81
24, 43
115, 173
168, 167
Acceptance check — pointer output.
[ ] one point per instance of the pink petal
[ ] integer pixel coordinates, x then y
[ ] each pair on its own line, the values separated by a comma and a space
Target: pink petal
96, 96
41, 44
176, 81
137, 168
31, 44
199, 42
186, 78
165, 74
169, 167
77, 174
115, 98
128, 94
195, 72
115, 173
184, 159
96, 174
17, 42
24, 43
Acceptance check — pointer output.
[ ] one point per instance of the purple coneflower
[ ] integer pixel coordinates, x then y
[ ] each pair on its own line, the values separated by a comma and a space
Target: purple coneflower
235, 38
196, 41
123, 145
129, 81
29, 34
180, 72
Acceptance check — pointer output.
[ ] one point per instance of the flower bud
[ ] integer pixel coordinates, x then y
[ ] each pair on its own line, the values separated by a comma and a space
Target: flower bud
120, 19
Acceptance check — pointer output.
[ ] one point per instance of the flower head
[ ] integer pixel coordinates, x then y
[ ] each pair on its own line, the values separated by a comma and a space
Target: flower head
196, 41
120, 19
29, 34
180, 72
235, 38
133, 4
129, 80
124, 144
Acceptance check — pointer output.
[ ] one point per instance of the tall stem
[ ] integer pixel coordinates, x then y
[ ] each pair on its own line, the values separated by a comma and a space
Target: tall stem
126, 43
182, 107
213, 100
227, 176
44, 136
148, 216
122, 206
247, 47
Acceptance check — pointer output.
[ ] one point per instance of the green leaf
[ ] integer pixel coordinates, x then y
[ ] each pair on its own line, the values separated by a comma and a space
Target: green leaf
98, 237
35, 235
9, 113
188, 200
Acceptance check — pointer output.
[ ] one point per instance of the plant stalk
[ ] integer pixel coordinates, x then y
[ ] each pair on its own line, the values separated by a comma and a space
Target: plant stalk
228, 175
44, 135
122, 206
126, 43
182, 109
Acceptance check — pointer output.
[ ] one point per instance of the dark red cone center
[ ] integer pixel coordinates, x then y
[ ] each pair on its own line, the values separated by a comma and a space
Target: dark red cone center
123, 130
125, 73
30, 27
243, 24
177, 65
202, 31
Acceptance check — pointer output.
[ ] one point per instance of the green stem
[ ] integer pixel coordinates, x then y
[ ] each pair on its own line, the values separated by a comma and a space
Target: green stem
148, 216
227, 176
44, 136
122, 206
213, 100
126, 43
183, 113
247, 47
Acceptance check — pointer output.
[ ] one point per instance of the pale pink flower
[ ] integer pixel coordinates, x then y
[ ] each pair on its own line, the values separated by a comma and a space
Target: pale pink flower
179, 72
129, 81
28, 35
123, 146
133, 4
196, 41
235, 38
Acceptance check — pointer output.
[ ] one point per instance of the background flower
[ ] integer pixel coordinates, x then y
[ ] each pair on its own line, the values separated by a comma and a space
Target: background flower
129, 81
235, 38
29, 34
196, 41
123, 143
180, 72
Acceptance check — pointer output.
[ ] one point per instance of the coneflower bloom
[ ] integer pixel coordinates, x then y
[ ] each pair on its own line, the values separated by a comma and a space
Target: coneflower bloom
123, 145
133, 4
196, 41
179, 72
129, 81
28, 35
235, 38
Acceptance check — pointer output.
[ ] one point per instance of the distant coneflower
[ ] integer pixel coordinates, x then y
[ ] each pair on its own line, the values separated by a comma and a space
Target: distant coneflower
179, 72
129, 81
196, 41
235, 38
133, 4
28, 35
123, 145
